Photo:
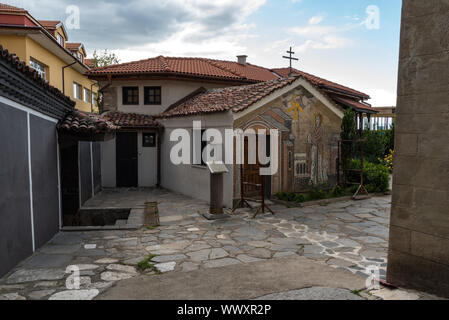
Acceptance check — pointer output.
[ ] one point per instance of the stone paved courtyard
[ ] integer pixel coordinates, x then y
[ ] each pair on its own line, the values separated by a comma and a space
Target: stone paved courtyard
348, 235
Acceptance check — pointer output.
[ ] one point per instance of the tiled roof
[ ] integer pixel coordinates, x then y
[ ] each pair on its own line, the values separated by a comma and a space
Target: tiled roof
72, 46
89, 62
235, 98
49, 24
352, 103
130, 120
218, 69
29, 72
8, 8
196, 67
84, 122
320, 82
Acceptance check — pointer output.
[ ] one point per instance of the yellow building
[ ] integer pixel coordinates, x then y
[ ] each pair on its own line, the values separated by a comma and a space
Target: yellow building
44, 46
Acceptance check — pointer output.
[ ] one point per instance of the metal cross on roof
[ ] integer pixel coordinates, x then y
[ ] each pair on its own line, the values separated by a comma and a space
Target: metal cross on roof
290, 57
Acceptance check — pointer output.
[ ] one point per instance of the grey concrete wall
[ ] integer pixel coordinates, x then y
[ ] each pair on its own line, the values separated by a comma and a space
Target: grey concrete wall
108, 164
24, 213
96, 157
419, 236
192, 180
85, 171
44, 167
15, 213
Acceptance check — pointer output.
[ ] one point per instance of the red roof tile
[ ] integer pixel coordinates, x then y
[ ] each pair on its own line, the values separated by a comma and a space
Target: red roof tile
84, 122
8, 8
89, 62
49, 24
320, 82
218, 69
197, 67
72, 46
224, 99
130, 120
352, 103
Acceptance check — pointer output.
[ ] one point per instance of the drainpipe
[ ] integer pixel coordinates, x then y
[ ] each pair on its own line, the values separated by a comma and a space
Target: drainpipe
63, 81
92, 100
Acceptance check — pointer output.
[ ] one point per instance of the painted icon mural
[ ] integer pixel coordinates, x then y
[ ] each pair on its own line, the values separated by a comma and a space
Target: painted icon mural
315, 130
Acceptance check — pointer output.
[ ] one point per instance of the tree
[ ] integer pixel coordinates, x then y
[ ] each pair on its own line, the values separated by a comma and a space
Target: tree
104, 59
348, 132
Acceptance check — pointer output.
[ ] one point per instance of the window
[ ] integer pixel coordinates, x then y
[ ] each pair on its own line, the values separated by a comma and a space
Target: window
148, 140
152, 95
94, 99
87, 95
76, 91
130, 95
60, 39
40, 68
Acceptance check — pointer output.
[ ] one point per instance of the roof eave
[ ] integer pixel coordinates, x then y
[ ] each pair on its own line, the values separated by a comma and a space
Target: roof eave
105, 76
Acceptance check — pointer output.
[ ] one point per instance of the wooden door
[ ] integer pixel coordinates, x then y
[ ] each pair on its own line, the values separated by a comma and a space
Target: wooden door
251, 173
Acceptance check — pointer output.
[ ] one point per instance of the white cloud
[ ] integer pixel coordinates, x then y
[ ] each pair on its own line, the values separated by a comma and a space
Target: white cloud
326, 43
120, 25
316, 20
321, 37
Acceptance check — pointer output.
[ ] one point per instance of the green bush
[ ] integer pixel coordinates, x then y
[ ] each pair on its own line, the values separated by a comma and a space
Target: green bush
376, 176
315, 194
374, 147
282, 196
377, 144
291, 196
337, 192
300, 198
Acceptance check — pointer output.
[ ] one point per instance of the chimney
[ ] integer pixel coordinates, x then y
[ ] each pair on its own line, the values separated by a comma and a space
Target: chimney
242, 60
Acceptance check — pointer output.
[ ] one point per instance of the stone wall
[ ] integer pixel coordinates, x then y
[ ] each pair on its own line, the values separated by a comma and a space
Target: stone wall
419, 235
313, 130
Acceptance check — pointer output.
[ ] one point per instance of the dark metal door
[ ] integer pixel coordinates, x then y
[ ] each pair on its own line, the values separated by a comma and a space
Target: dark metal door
126, 159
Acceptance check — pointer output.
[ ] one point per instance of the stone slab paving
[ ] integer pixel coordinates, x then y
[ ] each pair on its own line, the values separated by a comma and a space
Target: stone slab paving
346, 235
313, 293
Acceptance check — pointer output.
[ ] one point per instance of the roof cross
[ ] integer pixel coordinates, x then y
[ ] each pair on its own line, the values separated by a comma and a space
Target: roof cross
290, 57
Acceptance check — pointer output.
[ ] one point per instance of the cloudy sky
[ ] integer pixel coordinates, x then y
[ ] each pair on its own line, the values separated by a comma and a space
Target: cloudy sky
353, 42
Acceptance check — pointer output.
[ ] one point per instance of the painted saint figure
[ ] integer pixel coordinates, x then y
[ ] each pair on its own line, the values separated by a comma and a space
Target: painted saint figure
318, 174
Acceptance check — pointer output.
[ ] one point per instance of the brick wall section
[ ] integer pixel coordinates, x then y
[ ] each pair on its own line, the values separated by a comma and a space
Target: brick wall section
419, 235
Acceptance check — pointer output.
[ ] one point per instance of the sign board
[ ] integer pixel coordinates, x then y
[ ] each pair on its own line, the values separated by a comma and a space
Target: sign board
217, 167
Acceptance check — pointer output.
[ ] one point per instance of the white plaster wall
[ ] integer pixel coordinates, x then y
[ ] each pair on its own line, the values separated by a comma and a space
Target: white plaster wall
147, 164
108, 171
172, 91
191, 180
